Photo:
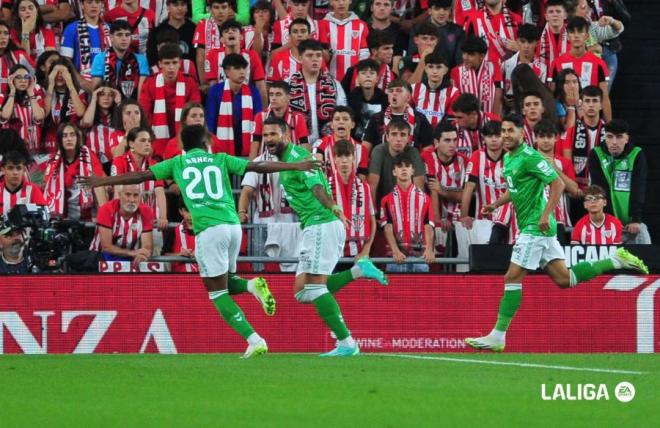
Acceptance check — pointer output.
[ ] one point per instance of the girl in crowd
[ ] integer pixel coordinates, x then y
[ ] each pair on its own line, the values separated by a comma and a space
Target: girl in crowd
10, 55
192, 114
567, 97
97, 121
44, 63
128, 115
29, 31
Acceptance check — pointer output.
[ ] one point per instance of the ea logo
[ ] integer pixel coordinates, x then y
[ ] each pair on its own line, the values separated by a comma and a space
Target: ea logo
624, 392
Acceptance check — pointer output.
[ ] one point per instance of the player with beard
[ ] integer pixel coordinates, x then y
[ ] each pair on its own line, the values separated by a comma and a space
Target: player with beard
528, 173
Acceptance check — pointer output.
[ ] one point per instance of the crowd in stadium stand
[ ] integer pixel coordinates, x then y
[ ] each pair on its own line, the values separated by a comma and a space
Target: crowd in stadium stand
401, 100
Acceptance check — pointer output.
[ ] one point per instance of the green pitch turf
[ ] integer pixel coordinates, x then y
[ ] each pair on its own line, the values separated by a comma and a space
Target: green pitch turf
296, 390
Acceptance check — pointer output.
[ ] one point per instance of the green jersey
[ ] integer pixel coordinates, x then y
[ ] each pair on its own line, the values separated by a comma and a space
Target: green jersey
527, 173
298, 189
204, 182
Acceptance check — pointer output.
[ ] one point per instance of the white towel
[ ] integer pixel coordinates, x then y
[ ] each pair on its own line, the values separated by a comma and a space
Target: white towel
284, 240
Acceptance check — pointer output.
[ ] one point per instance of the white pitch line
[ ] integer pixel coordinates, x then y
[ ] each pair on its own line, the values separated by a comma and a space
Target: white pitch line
509, 363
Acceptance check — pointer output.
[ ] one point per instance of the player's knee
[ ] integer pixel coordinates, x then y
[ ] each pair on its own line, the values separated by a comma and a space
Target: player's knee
563, 282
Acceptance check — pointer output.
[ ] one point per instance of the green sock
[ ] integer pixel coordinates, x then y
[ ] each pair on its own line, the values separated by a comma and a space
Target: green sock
508, 306
233, 315
328, 310
585, 271
338, 280
236, 284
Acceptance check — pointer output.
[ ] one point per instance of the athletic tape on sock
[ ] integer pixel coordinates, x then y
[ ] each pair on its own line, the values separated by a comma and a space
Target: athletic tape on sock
512, 287
215, 294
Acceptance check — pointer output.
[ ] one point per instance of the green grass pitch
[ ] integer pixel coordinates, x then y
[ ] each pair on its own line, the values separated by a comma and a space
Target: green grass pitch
303, 390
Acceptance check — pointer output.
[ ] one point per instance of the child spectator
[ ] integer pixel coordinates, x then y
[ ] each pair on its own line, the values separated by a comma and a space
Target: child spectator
554, 38
434, 95
178, 23
168, 36
97, 121
366, 99
426, 41
528, 38
207, 34
192, 114
596, 227
342, 124
567, 97
10, 55
14, 187
381, 48
127, 115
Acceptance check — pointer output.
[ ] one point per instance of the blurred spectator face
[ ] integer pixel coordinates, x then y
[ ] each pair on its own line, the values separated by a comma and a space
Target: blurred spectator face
4, 36
273, 139
577, 38
440, 15
595, 204
221, 12
263, 15
195, 116
142, 144
278, 98
340, 7
129, 198
397, 139
403, 172
48, 64
527, 47
12, 243
425, 41
311, 61
591, 106
532, 108
381, 9
13, 174
473, 60
555, 16
435, 72
232, 37
299, 9
582, 9
383, 54
170, 68
345, 164
446, 144
616, 143
120, 40
235, 74
106, 98
493, 2
367, 78
177, 10
92, 8
298, 33
186, 218
493, 142
131, 117
398, 97
26, 10
69, 139
511, 136
545, 143
342, 125
571, 83
22, 79
467, 120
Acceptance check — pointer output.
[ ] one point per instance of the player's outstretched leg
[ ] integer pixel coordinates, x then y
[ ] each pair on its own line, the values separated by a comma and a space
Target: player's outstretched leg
363, 268
622, 259
258, 287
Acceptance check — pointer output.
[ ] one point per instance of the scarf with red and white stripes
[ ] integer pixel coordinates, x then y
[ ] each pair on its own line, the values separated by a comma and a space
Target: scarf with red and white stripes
212, 35
407, 215
549, 48
181, 243
98, 141
132, 166
480, 83
159, 119
225, 127
408, 116
55, 190
354, 202
507, 29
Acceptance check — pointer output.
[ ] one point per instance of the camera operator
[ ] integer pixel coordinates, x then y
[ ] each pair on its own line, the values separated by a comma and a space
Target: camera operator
12, 245
124, 227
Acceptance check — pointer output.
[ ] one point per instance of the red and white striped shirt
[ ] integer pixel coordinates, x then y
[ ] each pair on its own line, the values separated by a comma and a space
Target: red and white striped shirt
127, 163
7, 61
470, 140
282, 66
494, 29
434, 104
450, 175
281, 30
27, 193
98, 141
488, 175
482, 83
408, 211
214, 71
587, 232
296, 121
141, 28
183, 239
126, 232
355, 200
326, 146
22, 120
591, 69
347, 40
506, 216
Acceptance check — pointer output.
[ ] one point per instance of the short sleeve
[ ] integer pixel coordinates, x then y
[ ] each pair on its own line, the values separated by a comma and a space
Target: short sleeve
163, 170
540, 168
257, 67
199, 38
143, 64
234, 165
104, 216
68, 45
473, 167
98, 65
251, 179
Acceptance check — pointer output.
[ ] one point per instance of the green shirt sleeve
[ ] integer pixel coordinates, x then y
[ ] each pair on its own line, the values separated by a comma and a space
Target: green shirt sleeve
163, 170
199, 11
540, 168
234, 165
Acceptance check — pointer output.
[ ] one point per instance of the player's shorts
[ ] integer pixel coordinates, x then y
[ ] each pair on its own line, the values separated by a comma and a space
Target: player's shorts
531, 252
217, 248
322, 246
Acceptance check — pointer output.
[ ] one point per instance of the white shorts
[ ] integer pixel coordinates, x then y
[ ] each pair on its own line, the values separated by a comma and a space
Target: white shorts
531, 252
322, 246
217, 248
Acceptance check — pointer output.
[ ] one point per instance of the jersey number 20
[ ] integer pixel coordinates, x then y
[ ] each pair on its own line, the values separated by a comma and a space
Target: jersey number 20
212, 178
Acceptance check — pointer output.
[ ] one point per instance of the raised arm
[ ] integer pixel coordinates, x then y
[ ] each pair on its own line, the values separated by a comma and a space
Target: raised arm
268, 166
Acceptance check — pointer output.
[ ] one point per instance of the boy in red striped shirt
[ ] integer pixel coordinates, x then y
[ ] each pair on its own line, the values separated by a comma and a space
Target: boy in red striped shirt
596, 228
14, 187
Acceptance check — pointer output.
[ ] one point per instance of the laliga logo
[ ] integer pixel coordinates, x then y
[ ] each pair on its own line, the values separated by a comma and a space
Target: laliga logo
623, 391
645, 308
